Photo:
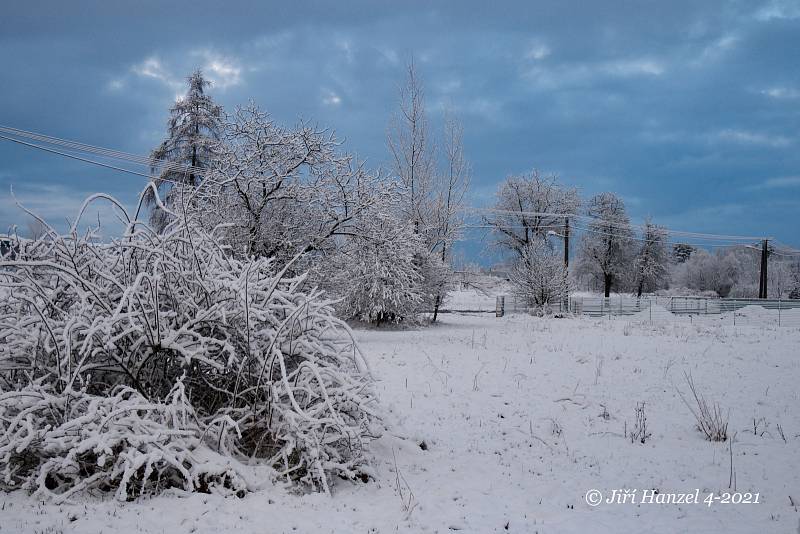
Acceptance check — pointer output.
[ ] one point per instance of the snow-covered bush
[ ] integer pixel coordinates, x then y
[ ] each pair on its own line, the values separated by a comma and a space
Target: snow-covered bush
680, 291
127, 364
376, 272
60, 442
540, 276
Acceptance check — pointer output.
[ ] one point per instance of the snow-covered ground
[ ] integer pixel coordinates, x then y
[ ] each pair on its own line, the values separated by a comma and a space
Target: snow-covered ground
520, 417
476, 291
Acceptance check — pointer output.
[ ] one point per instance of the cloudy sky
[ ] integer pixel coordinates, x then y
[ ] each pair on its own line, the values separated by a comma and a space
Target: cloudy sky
689, 110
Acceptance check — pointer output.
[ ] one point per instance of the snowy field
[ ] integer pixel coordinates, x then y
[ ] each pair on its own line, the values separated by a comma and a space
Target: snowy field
520, 417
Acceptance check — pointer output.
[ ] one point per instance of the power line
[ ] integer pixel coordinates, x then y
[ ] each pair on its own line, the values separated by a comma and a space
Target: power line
620, 235
614, 223
73, 156
624, 227
667, 241
105, 152
86, 160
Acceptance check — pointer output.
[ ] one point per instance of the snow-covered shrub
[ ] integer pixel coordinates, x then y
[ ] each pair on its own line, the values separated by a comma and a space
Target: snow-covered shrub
58, 443
377, 273
679, 291
158, 349
540, 276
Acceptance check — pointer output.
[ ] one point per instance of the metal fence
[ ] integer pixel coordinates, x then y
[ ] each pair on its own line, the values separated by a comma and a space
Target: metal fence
742, 312
515, 304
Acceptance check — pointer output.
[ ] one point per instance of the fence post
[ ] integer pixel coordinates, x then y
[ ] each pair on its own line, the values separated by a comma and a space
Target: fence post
500, 306
651, 310
779, 311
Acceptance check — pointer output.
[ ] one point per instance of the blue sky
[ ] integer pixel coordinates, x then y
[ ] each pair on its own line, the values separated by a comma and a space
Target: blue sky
689, 110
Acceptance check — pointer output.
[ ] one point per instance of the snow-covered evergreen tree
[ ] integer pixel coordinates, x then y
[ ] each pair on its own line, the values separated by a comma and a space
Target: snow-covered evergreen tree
193, 128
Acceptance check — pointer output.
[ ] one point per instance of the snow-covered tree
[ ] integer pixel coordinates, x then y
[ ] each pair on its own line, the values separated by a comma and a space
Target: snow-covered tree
193, 128
448, 210
744, 263
682, 251
794, 279
413, 153
433, 202
281, 190
712, 272
451, 188
652, 259
540, 276
513, 226
607, 247
780, 279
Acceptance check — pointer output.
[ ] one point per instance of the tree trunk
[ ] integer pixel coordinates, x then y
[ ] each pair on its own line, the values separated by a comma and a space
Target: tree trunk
641, 287
607, 284
436, 308
192, 178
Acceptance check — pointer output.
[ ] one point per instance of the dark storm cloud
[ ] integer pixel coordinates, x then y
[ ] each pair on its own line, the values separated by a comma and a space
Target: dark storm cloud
689, 110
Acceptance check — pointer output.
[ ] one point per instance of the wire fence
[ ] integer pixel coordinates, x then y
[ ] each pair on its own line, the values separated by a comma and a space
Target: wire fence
736, 312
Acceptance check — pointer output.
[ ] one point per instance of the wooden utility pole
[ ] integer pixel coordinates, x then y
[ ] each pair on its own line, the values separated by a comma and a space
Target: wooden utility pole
762, 281
566, 242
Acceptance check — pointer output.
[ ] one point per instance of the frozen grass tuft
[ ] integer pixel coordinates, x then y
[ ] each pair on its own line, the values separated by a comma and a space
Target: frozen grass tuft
709, 416
639, 432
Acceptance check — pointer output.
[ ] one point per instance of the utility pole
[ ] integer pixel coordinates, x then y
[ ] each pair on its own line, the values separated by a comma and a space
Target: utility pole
762, 281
